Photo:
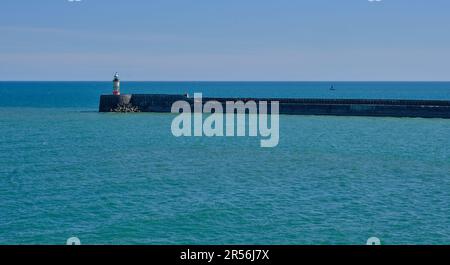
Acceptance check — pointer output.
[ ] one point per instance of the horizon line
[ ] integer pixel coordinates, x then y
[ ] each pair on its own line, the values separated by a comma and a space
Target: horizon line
241, 81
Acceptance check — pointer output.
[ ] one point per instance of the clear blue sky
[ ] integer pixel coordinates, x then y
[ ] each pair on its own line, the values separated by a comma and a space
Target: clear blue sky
225, 40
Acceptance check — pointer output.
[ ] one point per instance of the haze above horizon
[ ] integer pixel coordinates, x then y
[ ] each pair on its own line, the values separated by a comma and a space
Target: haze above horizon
321, 40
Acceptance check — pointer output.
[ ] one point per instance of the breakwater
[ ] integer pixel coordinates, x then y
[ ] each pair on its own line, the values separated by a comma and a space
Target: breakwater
291, 106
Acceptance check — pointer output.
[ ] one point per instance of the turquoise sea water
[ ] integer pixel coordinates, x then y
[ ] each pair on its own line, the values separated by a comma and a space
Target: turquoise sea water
66, 170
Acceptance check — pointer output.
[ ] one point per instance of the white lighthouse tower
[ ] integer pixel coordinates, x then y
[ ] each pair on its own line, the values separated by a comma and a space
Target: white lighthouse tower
116, 84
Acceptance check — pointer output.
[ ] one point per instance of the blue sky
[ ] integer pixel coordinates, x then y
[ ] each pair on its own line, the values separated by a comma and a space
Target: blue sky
225, 40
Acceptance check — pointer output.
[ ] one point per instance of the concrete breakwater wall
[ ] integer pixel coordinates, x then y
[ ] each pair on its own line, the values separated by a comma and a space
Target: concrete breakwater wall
336, 107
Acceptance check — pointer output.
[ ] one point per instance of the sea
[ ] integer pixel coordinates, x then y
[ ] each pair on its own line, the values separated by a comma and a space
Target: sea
110, 178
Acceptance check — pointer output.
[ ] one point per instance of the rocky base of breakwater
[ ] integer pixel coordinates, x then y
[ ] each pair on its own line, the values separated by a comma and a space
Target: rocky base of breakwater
125, 108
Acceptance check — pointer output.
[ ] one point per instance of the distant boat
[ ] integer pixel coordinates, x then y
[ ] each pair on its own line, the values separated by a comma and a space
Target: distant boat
332, 88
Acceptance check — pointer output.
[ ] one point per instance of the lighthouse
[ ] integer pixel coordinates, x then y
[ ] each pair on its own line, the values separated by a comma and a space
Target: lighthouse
116, 84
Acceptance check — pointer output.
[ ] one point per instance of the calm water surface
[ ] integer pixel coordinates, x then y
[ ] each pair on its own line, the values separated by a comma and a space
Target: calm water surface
66, 170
